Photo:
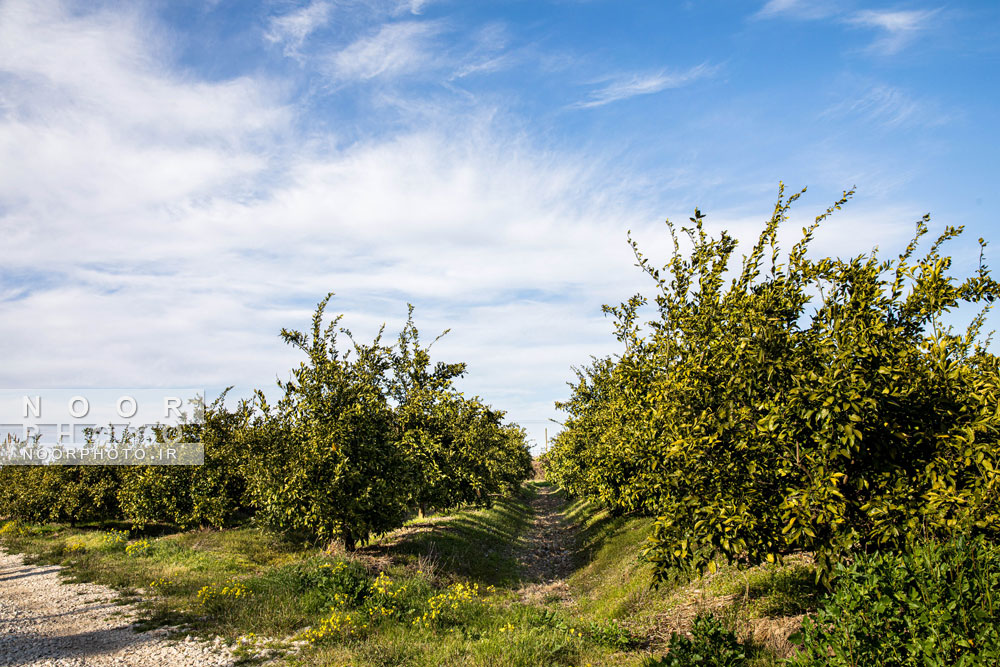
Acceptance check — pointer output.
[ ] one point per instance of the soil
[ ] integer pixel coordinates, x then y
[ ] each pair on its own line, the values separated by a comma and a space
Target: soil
547, 553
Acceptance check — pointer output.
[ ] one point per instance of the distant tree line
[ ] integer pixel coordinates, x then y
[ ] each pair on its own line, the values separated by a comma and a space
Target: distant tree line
364, 436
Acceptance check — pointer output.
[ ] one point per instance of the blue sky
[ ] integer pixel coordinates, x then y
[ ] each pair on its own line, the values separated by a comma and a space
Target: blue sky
179, 180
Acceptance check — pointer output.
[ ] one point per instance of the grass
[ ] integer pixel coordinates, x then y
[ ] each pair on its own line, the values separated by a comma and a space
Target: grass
166, 576
442, 590
477, 544
765, 603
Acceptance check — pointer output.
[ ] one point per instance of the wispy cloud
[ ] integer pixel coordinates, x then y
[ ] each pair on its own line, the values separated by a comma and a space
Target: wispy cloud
412, 6
204, 192
892, 107
801, 9
488, 52
899, 28
397, 48
631, 85
292, 29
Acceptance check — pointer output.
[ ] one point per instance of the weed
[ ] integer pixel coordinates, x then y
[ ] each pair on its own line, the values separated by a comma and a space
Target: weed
138, 548
115, 539
214, 596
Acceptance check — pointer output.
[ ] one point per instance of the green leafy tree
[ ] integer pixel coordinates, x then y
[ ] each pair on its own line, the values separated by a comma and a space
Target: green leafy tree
214, 493
335, 470
791, 404
359, 441
463, 453
71, 494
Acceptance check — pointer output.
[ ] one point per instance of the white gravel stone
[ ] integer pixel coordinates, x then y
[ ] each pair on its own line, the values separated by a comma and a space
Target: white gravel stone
45, 622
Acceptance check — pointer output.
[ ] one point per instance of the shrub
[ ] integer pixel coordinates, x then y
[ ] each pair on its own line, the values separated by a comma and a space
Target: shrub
71, 494
319, 586
335, 471
711, 645
210, 494
214, 493
937, 604
13, 527
613, 635
441, 608
463, 452
338, 625
114, 539
162, 585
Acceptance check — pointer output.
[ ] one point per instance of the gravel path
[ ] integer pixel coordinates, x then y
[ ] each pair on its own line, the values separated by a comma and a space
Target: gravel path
44, 621
547, 557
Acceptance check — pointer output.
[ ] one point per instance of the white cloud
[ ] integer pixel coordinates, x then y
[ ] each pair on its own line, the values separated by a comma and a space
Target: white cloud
161, 229
499, 243
631, 85
412, 6
397, 48
894, 21
801, 9
900, 28
292, 29
892, 107
488, 52
93, 114
779, 6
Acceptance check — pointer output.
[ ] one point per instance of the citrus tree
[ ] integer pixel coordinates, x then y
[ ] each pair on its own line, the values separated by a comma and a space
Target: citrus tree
462, 451
334, 470
366, 437
790, 403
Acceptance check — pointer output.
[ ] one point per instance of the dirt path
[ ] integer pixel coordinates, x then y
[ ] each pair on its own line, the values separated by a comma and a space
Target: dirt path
44, 621
547, 556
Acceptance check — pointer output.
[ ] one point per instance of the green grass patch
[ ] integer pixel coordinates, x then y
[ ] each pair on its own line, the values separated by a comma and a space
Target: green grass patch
475, 544
443, 590
770, 590
612, 584
165, 574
